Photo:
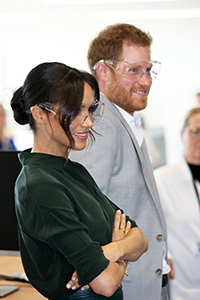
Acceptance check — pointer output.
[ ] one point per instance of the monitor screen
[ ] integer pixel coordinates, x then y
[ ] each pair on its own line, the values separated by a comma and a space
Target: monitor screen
10, 168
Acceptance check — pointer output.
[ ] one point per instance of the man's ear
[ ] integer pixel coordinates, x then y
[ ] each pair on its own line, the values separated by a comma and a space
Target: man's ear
102, 71
38, 114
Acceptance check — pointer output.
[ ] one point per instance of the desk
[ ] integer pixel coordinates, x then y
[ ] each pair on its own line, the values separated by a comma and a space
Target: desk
12, 264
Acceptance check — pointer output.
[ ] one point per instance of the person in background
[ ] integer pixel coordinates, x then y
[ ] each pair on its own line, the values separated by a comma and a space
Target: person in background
119, 58
156, 155
70, 234
179, 189
198, 98
6, 142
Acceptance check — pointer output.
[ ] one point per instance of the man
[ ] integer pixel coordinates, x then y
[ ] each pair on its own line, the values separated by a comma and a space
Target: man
179, 189
119, 58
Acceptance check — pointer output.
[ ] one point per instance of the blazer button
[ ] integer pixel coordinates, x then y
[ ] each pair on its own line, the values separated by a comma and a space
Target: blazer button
159, 237
159, 272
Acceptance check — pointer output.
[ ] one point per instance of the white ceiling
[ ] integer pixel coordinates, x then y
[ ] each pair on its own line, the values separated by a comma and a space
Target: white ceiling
30, 11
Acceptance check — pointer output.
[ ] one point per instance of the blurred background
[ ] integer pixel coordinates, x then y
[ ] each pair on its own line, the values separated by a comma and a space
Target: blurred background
36, 31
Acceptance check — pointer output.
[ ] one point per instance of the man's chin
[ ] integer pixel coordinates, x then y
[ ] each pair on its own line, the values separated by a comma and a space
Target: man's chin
142, 105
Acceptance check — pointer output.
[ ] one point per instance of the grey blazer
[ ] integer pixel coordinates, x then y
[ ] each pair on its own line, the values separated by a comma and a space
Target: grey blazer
124, 173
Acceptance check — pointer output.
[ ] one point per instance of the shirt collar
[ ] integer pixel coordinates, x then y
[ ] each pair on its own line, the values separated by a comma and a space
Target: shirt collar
135, 124
135, 118
55, 162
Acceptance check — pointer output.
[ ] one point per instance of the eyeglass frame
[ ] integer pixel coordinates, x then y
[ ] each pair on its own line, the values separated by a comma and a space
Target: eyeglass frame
94, 119
110, 63
195, 132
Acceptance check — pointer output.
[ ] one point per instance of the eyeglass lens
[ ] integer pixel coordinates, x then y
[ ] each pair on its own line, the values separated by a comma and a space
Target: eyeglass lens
94, 111
195, 132
135, 70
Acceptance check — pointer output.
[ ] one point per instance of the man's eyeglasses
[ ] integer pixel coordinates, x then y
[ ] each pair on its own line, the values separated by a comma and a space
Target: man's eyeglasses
135, 70
195, 132
94, 110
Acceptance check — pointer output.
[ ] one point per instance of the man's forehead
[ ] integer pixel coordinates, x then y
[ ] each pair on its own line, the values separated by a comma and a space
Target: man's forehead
135, 52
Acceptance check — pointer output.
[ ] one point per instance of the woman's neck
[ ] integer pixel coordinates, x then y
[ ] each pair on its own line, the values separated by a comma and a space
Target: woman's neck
47, 147
192, 160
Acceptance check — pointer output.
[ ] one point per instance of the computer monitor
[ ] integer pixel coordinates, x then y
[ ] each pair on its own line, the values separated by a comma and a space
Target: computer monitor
9, 168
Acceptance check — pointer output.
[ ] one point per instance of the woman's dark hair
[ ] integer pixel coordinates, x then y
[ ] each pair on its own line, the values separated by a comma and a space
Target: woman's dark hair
55, 83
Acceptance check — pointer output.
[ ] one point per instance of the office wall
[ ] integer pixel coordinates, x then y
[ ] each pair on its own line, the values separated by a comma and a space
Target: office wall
33, 32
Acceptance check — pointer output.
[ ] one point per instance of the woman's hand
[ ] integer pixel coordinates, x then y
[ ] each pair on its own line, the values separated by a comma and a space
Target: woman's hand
74, 283
121, 227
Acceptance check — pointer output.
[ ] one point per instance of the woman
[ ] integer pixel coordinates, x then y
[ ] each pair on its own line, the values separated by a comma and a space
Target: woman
65, 222
179, 189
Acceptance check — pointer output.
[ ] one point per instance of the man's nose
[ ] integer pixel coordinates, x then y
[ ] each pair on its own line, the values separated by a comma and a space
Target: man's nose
145, 79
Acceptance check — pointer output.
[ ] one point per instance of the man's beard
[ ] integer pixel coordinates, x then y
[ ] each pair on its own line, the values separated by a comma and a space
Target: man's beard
125, 98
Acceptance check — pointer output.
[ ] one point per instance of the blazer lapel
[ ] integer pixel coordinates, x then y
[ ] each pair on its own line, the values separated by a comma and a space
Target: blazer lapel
142, 154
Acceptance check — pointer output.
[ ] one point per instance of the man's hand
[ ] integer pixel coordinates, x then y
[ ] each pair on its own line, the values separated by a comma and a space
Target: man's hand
171, 273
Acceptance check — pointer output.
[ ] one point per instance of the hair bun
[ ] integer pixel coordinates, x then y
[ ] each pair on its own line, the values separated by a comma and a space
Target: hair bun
19, 113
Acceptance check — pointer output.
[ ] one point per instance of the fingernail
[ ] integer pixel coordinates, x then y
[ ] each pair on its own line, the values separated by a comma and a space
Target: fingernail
82, 289
73, 288
74, 278
68, 286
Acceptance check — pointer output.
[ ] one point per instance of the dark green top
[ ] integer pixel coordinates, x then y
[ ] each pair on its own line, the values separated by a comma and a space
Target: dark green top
63, 220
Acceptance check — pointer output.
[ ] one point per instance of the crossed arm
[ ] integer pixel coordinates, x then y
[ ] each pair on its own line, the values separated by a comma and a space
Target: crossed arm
127, 245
